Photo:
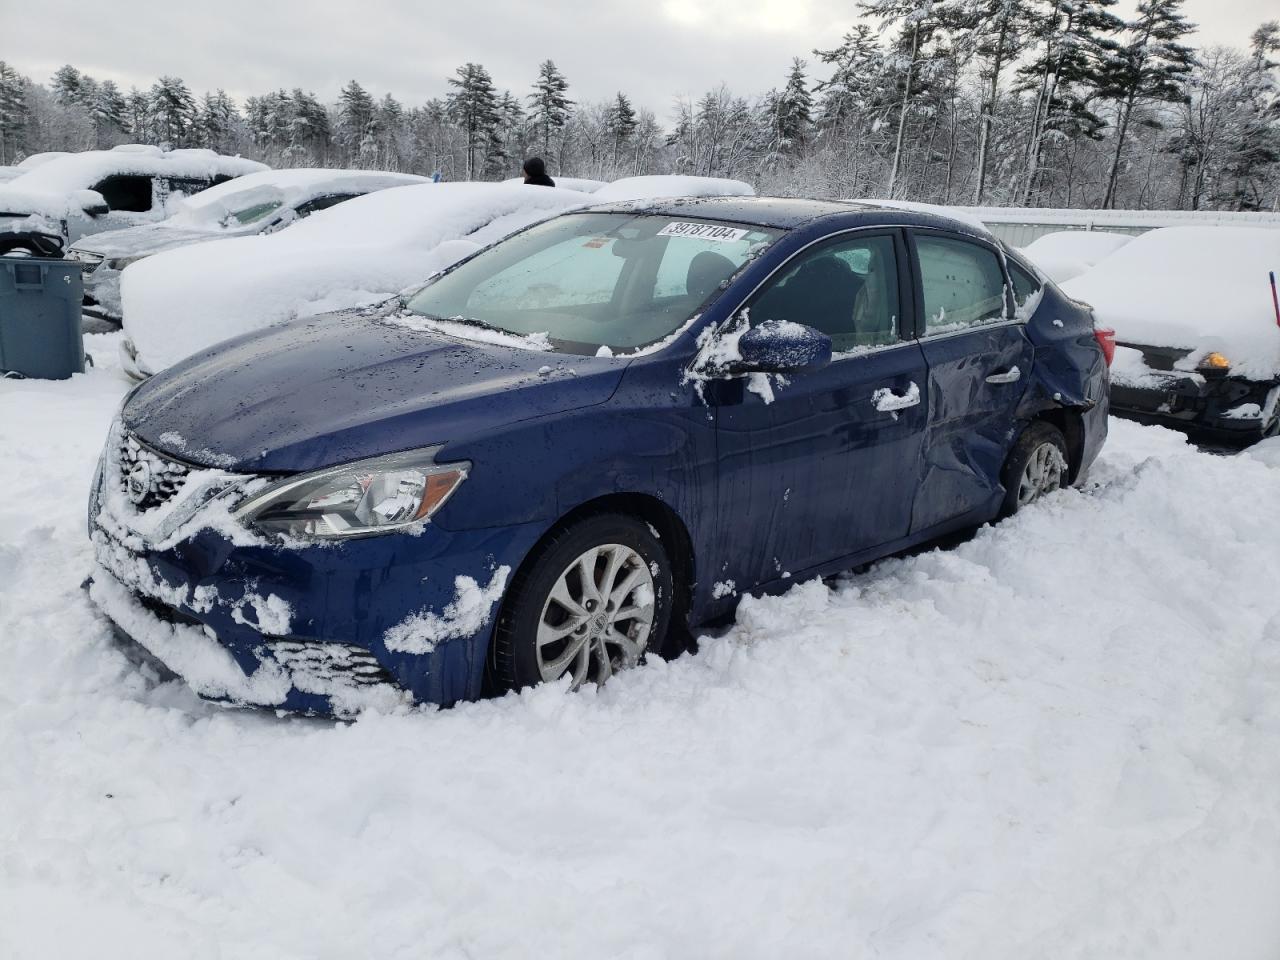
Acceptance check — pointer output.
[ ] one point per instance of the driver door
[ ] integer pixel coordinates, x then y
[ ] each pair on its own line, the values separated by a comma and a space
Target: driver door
818, 466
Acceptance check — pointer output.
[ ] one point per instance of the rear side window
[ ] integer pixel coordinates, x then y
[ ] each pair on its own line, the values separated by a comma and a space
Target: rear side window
126, 193
847, 289
1024, 284
962, 282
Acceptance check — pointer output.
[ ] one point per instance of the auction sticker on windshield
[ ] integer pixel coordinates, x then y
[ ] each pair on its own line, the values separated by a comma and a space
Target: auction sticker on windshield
702, 231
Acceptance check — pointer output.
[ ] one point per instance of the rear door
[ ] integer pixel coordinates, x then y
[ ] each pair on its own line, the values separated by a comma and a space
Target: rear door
979, 361
817, 466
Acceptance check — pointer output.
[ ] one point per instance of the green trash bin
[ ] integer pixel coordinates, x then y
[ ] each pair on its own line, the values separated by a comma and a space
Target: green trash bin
40, 332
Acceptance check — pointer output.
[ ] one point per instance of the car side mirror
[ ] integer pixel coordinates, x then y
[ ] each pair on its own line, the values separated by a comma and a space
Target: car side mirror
780, 346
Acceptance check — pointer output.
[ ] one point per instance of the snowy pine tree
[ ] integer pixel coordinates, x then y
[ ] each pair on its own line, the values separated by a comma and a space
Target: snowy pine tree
549, 104
474, 107
67, 82
14, 114
1149, 66
620, 124
355, 118
792, 111
173, 111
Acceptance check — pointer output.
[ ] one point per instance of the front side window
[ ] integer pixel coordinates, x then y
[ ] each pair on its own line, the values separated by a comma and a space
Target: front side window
962, 282
323, 203
129, 193
592, 280
847, 289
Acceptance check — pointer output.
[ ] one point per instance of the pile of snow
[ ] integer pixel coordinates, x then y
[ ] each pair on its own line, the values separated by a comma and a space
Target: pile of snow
363, 251
1201, 288
1068, 253
1003, 750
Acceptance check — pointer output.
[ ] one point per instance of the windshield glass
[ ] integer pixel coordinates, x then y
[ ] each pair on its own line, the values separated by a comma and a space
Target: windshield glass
592, 280
251, 213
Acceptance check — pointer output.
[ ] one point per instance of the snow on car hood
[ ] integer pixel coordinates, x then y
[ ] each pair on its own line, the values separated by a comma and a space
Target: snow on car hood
1200, 288
146, 239
355, 254
332, 389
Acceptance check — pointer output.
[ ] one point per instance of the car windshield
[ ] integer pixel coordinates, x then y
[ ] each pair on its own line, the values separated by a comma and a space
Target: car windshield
249, 214
592, 280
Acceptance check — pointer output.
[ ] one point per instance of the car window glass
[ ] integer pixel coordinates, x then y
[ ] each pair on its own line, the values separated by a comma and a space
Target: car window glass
847, 290
322, 203
1024, 284
583, 276
187, 186
591, 281
126, 193
962, 283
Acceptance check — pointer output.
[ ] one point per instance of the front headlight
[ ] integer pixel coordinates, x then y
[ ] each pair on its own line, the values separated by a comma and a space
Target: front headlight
119, 263
1213, 363
357, 499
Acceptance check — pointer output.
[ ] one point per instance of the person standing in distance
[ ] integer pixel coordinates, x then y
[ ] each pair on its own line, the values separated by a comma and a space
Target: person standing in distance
535, 173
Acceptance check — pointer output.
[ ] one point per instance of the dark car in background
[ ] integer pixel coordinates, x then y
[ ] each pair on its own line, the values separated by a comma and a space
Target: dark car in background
576, 445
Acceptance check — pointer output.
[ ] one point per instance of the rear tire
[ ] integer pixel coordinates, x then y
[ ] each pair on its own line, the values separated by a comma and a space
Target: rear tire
595, 598
1037, 465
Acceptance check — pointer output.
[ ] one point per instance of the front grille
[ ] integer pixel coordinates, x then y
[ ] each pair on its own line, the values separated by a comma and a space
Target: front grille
147, 478
329, 662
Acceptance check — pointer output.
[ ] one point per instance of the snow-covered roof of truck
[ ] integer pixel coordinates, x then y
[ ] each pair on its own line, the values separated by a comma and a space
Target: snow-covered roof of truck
80, 171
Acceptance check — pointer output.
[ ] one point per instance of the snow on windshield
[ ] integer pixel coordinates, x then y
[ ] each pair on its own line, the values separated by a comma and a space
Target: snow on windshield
1202, 288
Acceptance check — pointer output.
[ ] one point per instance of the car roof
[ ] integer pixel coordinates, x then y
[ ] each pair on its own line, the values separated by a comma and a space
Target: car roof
789, 213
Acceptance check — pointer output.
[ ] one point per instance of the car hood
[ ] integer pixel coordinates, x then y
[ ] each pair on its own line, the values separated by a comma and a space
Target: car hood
143, 240
344, 386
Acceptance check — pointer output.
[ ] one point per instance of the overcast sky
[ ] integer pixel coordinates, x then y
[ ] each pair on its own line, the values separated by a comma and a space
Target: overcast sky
650, 49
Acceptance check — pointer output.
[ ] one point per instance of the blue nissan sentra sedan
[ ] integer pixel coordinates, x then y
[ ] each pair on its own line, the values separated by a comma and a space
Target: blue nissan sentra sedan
577, 445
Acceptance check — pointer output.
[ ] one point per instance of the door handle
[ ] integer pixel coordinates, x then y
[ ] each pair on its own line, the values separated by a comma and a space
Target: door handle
886, 401
1012, 375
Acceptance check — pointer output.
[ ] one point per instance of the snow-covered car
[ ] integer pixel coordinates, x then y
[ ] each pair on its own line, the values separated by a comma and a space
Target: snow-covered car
47, 209
1065, 254
12, 172
1197, 329
254, 204
181, 301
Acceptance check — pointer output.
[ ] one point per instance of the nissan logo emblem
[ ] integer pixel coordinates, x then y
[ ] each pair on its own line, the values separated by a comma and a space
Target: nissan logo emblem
138, 482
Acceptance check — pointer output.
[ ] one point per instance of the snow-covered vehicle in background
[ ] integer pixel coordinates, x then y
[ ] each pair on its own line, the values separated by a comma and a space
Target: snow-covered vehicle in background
50, 207
1065, 254
1197, 330
254, 204
179, 302
13, 171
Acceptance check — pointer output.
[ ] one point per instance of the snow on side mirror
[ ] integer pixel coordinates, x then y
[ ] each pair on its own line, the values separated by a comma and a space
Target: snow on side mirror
780, 346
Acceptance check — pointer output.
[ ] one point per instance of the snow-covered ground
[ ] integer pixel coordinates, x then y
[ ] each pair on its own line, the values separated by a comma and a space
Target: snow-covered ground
1057, 739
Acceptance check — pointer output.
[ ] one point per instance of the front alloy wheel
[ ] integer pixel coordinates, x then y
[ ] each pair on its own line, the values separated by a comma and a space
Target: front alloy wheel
593, 600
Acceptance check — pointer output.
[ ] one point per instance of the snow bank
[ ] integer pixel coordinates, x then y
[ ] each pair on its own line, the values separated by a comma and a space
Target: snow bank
1069, 253
1003, 750
1202, 288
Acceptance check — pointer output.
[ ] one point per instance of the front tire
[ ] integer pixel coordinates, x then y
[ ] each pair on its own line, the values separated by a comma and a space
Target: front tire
595, 598
1037, 465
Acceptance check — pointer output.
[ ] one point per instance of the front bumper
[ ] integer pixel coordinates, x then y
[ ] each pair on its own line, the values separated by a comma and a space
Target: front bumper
316, 628
1228, 410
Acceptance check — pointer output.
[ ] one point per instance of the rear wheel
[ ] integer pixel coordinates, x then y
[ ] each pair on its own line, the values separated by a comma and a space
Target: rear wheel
593, 600
1037, 465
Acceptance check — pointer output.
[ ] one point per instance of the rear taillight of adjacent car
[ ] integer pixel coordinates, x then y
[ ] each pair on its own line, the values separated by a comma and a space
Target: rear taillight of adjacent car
1106, 338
